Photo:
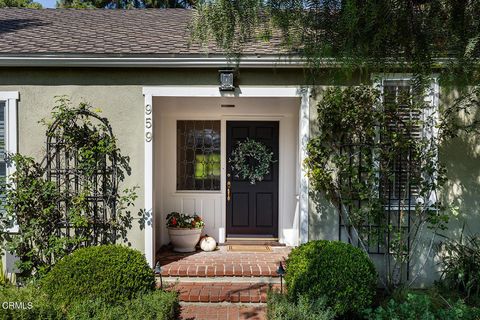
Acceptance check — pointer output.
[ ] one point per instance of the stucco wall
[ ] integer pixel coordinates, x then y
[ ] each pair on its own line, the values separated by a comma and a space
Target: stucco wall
118, 93
461, 157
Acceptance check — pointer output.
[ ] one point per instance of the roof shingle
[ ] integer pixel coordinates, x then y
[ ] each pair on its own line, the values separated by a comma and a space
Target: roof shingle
152, 32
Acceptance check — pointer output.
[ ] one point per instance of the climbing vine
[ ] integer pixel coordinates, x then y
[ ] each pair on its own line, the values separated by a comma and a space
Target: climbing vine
381, 172
71, 198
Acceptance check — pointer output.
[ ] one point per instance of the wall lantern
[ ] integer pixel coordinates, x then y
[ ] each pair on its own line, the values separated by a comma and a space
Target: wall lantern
281, 272
158, 271
227, 80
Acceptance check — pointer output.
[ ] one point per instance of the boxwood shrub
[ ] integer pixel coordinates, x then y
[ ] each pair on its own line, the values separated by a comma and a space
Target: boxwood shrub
338, 271
110, 273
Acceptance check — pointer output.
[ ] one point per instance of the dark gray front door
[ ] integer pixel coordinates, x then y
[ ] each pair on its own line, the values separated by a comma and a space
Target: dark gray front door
252, 209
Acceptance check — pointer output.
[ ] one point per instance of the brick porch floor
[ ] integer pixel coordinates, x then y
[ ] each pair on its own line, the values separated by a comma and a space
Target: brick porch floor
222, 263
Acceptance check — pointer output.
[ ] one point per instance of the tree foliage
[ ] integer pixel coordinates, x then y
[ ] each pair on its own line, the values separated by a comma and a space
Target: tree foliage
55, 219
124, 4
20, 4
358, 34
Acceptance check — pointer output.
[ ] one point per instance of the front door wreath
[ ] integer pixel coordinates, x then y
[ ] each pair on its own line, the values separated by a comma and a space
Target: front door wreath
251, 160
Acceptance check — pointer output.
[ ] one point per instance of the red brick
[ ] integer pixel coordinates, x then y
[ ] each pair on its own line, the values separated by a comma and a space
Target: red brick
204, 295
235, 297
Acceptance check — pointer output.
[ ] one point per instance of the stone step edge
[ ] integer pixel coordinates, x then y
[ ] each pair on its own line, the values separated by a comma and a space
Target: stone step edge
220, 273
223, 304
256, 279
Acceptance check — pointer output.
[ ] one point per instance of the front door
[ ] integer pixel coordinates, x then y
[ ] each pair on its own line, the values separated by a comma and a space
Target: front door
252, 209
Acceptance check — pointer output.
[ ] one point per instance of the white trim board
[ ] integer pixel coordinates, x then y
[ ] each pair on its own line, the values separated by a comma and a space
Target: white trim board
247, 61
242, 91
11, 139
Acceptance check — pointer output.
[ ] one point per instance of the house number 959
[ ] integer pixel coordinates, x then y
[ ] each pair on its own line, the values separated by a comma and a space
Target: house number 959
148, 123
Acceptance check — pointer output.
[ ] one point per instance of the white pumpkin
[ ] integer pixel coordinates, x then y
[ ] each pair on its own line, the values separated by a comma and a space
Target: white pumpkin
208, 243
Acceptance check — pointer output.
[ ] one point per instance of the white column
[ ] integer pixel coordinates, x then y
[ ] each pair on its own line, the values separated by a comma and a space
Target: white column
304, 133
149, 223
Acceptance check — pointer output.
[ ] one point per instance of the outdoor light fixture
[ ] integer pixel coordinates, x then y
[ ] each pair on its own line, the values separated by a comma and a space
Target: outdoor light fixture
281, 273
227, 80
158, 271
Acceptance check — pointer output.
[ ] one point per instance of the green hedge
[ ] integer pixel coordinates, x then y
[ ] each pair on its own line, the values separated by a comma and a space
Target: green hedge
158, 305
33, 304
279, 307
338, 271
113, 274
420, 306
28, 304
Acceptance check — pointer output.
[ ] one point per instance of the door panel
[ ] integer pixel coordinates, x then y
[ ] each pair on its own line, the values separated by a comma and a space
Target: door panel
252, 209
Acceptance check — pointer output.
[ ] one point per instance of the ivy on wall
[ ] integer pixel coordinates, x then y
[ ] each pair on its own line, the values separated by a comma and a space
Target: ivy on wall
71, 199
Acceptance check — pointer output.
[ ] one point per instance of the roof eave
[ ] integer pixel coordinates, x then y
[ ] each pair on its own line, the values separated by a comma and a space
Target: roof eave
150, 62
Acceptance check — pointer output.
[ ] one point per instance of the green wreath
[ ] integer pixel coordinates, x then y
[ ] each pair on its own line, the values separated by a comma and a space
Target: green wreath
251, 160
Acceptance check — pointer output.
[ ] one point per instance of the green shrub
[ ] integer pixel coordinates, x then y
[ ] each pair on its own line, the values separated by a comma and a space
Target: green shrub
279, 307
420, 306
112, 274
32, 304
461, 266
339, 271
158, 305
29, 304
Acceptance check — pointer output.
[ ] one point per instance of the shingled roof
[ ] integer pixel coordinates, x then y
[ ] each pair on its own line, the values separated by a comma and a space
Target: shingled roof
146, 32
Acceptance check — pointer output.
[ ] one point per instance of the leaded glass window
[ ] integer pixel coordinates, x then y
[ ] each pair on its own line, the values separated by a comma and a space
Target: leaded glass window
198, 155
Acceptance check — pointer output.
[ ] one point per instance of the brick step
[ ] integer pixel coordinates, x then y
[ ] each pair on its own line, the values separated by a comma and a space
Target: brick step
224, 311
173, 280
215, 292
240, 269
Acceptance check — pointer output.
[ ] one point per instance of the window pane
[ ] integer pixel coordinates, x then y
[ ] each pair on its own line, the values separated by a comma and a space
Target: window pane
198, 155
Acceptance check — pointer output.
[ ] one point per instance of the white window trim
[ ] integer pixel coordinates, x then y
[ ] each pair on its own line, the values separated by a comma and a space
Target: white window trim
432, 112
11, 139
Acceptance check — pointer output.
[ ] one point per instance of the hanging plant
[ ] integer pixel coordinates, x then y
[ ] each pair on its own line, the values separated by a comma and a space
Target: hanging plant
251, 160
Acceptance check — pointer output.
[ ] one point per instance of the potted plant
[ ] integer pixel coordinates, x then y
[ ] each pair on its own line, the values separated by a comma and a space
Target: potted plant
184, 231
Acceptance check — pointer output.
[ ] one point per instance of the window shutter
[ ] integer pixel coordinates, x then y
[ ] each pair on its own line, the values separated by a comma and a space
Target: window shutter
399, 183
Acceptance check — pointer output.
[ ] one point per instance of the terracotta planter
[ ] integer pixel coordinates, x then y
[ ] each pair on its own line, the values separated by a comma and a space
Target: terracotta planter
184, 240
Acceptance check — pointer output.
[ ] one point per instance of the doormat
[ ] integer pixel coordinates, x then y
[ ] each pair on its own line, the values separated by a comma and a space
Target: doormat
248, 248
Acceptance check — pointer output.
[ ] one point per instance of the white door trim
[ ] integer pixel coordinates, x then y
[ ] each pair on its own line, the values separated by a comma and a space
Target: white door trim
213, 91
